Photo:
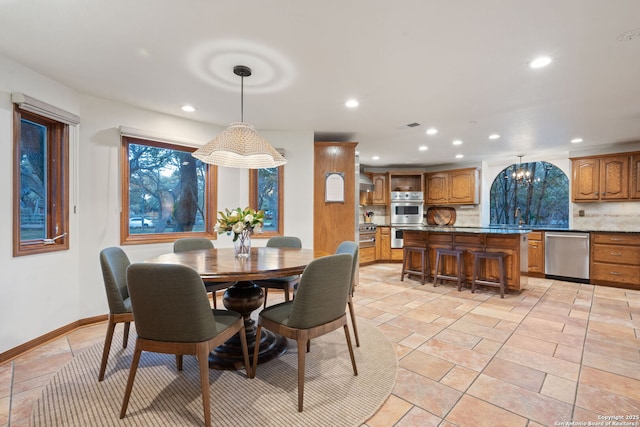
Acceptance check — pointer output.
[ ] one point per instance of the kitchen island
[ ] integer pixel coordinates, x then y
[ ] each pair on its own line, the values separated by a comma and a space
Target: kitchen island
512, 241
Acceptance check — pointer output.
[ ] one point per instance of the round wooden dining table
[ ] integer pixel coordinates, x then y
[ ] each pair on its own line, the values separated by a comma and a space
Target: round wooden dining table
244, 296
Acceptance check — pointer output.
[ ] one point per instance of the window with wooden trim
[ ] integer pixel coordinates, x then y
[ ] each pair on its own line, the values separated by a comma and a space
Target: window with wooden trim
40, 184
166, 193
266, 193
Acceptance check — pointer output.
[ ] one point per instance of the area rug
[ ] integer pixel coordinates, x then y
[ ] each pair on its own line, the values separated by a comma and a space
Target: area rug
162, 396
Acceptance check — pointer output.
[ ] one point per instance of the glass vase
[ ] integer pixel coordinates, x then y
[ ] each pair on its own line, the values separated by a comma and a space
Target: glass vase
242, 245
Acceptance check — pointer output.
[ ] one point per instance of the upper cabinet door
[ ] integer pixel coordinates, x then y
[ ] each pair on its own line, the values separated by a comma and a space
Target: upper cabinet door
635, 177
462, 186
380, 191
437, 188
614, 178
586, 179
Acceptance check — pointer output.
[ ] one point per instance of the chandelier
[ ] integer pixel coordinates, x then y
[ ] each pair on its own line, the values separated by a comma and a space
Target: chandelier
240, 145
522, 175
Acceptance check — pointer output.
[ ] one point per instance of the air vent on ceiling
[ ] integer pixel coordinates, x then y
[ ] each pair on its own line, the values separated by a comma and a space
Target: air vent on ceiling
414, 124
629, 35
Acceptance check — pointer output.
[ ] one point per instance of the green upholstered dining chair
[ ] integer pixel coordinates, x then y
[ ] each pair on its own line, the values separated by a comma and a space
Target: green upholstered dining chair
193, 244
285, 283
318, 308
114, 263
351, 248
173, 316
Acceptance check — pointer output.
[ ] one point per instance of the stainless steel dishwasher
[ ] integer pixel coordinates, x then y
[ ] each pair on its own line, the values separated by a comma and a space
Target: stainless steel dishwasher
566, 255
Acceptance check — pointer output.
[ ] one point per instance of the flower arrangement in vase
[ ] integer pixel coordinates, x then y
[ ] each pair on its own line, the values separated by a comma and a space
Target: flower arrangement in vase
242, 223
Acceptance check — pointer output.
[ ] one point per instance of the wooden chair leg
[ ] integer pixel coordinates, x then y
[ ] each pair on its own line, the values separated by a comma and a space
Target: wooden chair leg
179, 362
215, 299
503, 281
125, 339
256, 352
266, 292
286, 293
308, 346
435, 276
132, 376
353, 359
301, 361
107, 347
203, 362
245, 351
352, 312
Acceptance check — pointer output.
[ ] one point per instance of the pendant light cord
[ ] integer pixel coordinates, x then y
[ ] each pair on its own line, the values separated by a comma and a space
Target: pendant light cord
242, 99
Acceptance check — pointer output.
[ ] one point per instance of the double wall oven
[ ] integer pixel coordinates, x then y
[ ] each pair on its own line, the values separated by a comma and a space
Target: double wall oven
406, 210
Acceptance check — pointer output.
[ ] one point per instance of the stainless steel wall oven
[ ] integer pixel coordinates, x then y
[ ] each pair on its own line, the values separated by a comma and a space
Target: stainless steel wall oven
406, 209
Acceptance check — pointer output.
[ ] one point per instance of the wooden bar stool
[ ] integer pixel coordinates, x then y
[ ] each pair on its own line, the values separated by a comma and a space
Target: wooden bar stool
477, 260
440, 254
408, 268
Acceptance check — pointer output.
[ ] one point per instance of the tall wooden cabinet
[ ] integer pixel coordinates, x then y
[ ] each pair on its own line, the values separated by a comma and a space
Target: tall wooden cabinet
600, 178
453, 187
333, 223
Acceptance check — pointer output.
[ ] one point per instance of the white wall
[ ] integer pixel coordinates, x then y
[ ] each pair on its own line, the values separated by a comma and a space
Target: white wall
40, 293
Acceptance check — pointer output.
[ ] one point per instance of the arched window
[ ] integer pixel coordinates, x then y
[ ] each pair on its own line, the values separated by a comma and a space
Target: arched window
535, 193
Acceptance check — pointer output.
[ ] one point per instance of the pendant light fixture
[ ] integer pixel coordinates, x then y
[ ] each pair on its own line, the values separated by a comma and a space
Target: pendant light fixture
240, 145
521, 175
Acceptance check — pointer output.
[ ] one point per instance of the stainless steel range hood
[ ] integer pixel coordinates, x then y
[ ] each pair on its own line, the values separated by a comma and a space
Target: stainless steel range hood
365, 183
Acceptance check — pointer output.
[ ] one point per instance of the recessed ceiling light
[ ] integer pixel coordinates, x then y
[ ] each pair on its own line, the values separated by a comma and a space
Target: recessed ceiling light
375, 158
423, 148
539, 62
576, 140
494, 136
457, 142
188, 108
432, 131
352, 103
459, 156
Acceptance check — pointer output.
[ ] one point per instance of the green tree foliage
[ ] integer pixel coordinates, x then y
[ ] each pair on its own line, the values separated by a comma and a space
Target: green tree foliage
542, 199
166, 185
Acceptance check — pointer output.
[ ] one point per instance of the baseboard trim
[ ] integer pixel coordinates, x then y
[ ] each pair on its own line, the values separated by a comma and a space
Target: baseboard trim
56, 333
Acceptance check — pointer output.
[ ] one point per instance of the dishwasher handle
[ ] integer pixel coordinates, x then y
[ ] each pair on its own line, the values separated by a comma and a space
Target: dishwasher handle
569, 236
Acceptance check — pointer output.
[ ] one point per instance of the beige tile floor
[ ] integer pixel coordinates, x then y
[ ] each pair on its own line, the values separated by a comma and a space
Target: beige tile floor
553, 353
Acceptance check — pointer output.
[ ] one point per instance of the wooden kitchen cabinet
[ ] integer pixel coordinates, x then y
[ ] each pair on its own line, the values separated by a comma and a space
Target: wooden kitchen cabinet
536, 254
383, 243
600, 178
634, 184
615, 259
367, 255
380, 193
405, 181
453, 187
512, 244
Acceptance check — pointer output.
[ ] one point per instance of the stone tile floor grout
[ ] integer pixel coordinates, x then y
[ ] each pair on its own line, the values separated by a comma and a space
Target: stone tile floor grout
554, 352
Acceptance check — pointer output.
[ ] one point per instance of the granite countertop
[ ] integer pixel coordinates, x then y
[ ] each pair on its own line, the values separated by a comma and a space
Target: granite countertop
500, 230
448, 229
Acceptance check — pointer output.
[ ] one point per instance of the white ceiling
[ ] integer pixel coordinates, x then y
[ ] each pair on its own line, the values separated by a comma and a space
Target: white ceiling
458, 65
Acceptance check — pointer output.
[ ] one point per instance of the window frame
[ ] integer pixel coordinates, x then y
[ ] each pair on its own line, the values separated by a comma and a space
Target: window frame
253, 200
210, 204
57, 187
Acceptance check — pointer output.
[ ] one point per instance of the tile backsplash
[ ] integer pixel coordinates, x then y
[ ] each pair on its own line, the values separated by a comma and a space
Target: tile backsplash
606, 216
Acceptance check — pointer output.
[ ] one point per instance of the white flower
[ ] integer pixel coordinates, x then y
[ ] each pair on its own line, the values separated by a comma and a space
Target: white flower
238, 227
248, 219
